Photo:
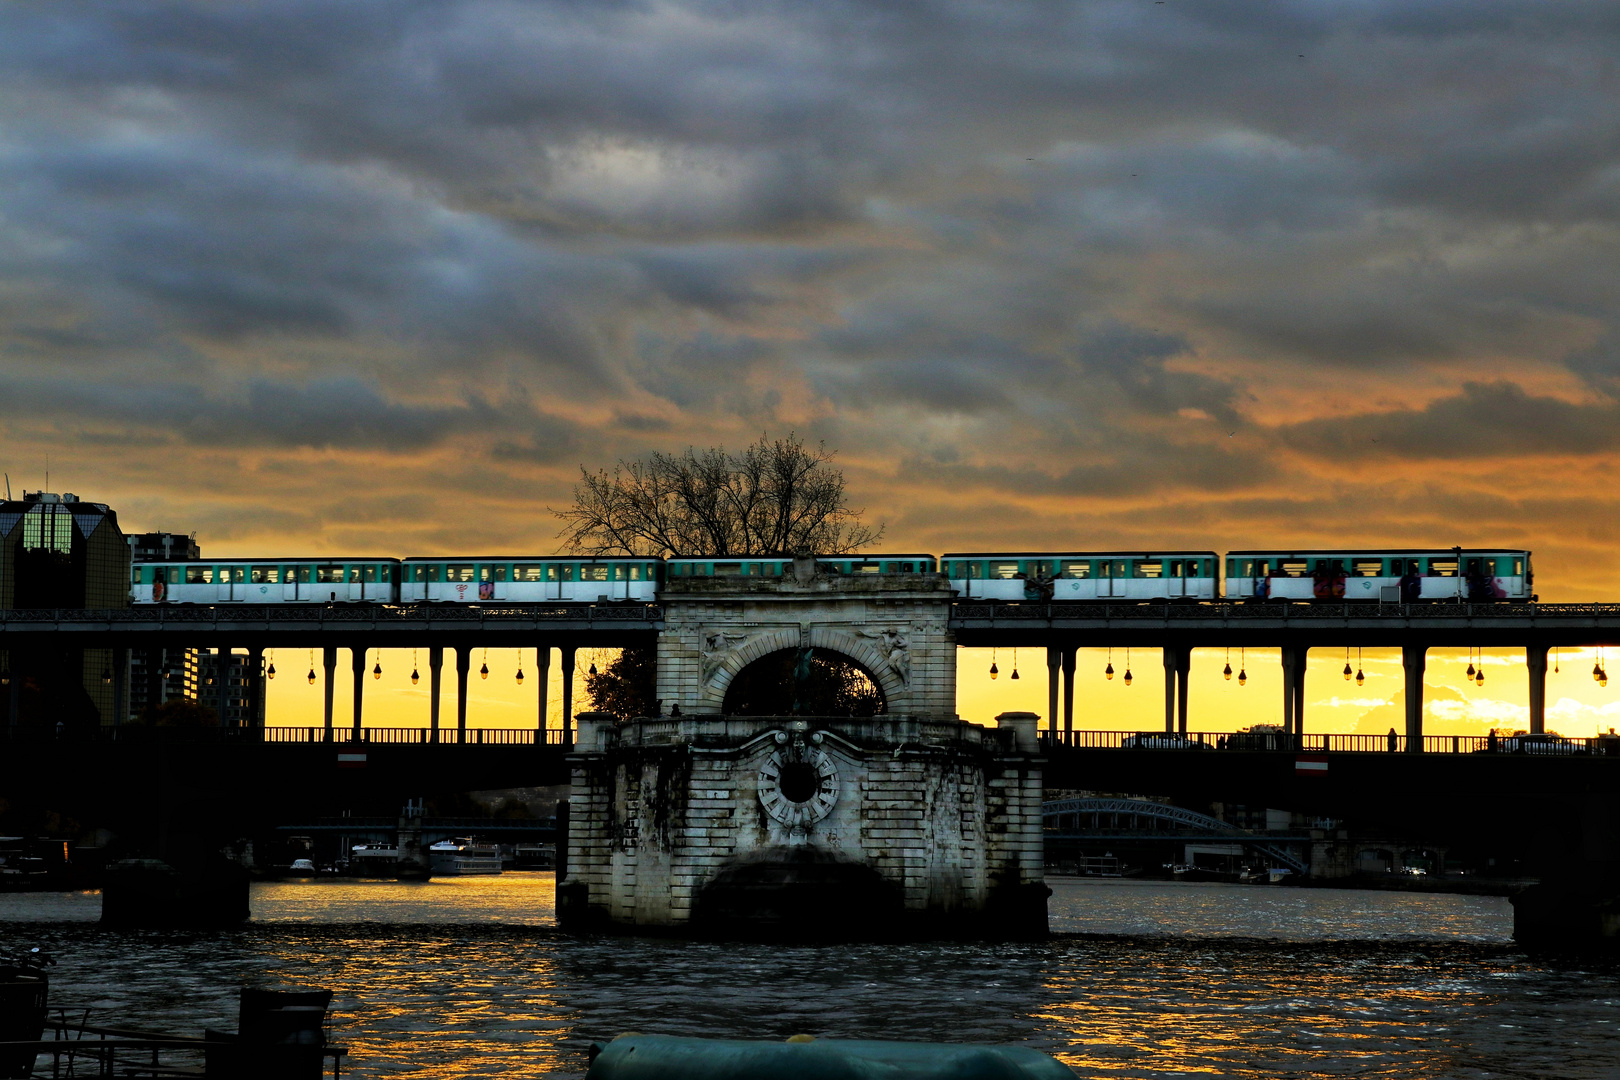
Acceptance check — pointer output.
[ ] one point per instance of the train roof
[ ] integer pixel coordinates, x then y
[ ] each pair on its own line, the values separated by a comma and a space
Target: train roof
270, 559
1137, 554
531, 558
854, 555
1296, 552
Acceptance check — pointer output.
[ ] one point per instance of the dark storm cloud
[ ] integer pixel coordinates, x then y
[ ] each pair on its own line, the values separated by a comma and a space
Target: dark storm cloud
1485, 420
337, 412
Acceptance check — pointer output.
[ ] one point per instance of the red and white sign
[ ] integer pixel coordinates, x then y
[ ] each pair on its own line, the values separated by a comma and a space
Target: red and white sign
351, 761
1310, 766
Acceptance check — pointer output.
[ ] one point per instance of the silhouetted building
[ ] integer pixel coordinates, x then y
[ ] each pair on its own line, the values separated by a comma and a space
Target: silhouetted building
58, 552
158, 676
163, 547
224, 685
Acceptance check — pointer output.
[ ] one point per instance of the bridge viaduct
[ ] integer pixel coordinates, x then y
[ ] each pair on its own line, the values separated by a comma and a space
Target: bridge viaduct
1061, 629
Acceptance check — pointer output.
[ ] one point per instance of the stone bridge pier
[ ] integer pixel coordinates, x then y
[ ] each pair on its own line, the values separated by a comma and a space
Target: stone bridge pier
806, 827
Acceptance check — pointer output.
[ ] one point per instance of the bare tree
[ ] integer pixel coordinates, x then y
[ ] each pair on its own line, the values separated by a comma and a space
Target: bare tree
777, 497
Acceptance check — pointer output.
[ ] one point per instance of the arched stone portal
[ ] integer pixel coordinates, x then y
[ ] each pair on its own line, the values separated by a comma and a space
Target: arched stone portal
894, 626
836, 685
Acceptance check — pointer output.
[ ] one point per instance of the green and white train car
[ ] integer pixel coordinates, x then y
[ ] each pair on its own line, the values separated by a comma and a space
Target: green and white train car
528, 579
757, 566
1411, 575
266, 581
1105, 576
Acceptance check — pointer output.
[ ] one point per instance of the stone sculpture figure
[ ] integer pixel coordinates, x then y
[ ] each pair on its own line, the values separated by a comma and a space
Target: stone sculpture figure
896, 650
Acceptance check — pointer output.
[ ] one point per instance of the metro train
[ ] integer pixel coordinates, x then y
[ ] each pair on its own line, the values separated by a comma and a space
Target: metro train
1408, 575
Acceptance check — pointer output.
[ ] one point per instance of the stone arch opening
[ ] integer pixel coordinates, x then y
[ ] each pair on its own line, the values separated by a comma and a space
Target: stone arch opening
831, 684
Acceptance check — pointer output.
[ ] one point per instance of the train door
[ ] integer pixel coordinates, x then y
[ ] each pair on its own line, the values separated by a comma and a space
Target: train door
233, 583
1115, 577
1180, 570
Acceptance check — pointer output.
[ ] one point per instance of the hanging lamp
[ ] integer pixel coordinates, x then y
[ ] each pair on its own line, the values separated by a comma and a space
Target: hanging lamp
1108, 672
1014, 674
1127, 666
520, 668
1347, 672
270, 672
994, 671
415, 677
1360, 678
1243, 667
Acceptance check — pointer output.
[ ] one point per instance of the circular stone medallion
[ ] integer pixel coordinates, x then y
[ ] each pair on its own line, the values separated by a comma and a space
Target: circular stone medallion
798, 793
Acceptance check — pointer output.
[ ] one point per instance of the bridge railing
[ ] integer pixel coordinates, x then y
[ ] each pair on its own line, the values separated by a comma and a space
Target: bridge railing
1303, 609
135, 734
345, 614
1325, 743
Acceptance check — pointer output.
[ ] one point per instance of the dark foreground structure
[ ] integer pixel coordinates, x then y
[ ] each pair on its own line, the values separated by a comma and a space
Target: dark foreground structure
806, 827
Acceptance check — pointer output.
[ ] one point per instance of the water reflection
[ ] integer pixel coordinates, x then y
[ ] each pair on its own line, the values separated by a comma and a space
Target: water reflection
467, 978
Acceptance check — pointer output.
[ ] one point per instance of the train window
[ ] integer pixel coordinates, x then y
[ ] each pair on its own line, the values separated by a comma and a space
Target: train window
136, 578
1148, 568
265, 575
1443, 567
458, 571
1004, 570
354, 573
635, 571
237, 574
568, 572
386, 571
199, 575
483, 573
1076, 569
328, 574
865, 568
304, 573
531, 572
1294, 568
1368, 567
593, 573
727, 568
1518, 568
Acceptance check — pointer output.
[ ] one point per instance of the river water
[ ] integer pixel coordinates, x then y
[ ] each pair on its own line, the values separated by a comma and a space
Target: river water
468, 977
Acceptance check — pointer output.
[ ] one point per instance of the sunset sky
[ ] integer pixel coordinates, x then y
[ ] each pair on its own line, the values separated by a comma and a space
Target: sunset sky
308, 277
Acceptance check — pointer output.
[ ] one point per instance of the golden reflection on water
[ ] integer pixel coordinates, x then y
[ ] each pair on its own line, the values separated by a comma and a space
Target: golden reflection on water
467, 977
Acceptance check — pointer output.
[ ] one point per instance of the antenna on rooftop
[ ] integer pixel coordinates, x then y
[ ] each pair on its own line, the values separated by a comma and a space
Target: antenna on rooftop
8, 487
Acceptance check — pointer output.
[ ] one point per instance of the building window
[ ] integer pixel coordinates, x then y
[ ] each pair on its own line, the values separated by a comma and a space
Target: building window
48, 528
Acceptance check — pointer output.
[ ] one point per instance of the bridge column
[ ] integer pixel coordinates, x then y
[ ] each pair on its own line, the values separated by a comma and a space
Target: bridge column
1054, 666
255, 687
222, 681
357, 661
568, 694
1069, 657
329, 665
1536, 659
435, 683
463, 665
1171, 664
1413, 658
542, 670
1183, 670
1290, 661
120, 670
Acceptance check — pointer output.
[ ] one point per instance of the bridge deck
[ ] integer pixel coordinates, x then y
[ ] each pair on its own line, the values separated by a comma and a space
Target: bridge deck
974, 624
